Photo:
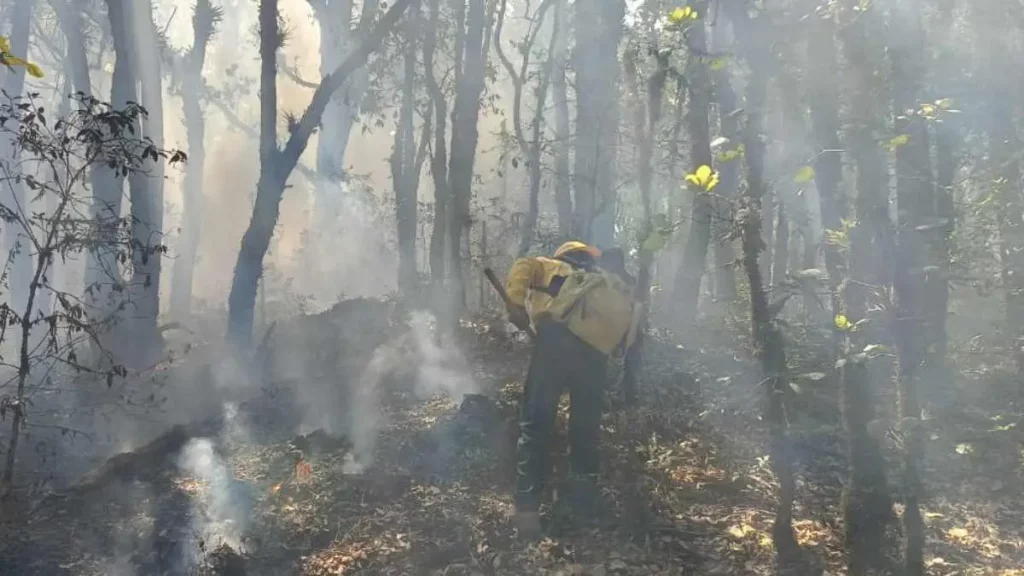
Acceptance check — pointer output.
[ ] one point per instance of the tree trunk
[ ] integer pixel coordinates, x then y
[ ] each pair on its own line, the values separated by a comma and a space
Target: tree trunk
14, 244
563, 182
531, 149
1004, 145
147, 189
465, 112
781, 248
867, 505
828, 170
337, 40
276, 165
916, 210
687, 283
768, 342
192, 212
439, 158
729, 172
403, 165
102, 270
598, 30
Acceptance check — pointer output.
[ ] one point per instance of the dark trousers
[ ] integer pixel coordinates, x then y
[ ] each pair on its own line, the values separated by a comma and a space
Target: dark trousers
560, 361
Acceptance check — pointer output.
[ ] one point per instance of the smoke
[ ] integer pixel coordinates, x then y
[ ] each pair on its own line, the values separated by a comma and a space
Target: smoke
220, 514
417, 361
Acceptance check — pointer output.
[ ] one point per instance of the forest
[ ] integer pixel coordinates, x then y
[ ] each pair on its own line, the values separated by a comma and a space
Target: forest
245, 325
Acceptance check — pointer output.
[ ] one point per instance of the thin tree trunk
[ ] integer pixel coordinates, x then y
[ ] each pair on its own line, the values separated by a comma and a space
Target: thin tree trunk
995, 59
276, 165
102, 270
147, 188
867, 505
403, 165
192, 212
14, 244
767, 338
465, 134
439, 158
729, 172
598, 31
915, 203
686, 291
781, 248
563, 182
531, 149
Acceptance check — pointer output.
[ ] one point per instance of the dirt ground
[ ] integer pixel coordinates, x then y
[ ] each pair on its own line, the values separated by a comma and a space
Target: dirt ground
686, 488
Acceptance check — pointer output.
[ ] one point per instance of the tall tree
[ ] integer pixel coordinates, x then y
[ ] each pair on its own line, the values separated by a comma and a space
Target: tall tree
912, 274
15, 245
338, 38
994, 59
560, 97
146, 187
729, 124
471, 66
596, 62
189, 70
530, 148
770, 348
103, 273
276, 164
439, 155
686, 291
867, 505
407, 159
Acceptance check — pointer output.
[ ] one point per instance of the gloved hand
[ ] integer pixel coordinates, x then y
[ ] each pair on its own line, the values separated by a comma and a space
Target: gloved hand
518, 316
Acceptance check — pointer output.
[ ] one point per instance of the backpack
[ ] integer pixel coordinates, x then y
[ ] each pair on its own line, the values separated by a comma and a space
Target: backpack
597, 306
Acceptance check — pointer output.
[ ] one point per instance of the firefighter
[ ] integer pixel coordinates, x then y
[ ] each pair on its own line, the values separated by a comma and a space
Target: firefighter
582, 315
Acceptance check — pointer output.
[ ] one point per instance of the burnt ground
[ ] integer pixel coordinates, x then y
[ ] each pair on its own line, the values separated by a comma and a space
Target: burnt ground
686, 487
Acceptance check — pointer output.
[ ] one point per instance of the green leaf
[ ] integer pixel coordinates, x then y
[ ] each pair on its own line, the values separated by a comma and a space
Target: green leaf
804, 174
655, 242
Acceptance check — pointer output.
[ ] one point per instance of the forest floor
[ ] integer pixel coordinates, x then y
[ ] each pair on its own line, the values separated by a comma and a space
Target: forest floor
686, 487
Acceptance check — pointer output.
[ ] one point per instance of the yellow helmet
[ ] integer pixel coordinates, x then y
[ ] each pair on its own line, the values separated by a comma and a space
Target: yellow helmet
576, 246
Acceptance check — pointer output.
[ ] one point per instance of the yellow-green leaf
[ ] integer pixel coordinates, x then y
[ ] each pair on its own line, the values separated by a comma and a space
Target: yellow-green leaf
842, 322
703, 177
804, 174
897, 141
681, 14
5, 44
718, 63
33, 70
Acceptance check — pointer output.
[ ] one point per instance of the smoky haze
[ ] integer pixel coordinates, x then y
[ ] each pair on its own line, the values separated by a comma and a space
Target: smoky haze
245, 319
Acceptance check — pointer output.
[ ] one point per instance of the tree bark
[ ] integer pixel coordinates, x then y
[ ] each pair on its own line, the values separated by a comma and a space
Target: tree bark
14, 244
866, 502
277, 164
403, 167
598, 31
192, 213
147, 189
439, 157
911, 275
563, 178
465, 135
729, 172
686, 291
337, 40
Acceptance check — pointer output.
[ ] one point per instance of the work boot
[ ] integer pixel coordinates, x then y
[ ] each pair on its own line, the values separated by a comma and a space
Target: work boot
527, 524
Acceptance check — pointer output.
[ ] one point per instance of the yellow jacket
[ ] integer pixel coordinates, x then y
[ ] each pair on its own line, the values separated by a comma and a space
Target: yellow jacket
528, 283
529, 278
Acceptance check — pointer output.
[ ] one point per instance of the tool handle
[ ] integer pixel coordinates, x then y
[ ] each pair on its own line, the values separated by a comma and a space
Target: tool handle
500, 288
